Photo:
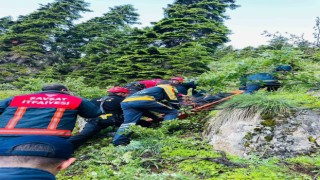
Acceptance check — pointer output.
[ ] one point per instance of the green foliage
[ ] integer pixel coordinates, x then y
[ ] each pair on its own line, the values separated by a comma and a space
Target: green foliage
106, 50
299, 99
313, 160
103, 40
32, 41
75, 85
30, 84
264, 169
5, 23
225, 73
180, 44
9, 93
273, 103
82, 89
11, 71
98, 35
260, 102
34, 34
173, 151
7, 86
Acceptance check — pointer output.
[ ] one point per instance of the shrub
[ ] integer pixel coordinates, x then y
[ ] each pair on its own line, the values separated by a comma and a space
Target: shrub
259, 102
75, 85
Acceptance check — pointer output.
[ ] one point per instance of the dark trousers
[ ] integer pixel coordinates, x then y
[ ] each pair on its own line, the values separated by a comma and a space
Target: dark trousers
134, 110
94, 126
255, 87
91, 128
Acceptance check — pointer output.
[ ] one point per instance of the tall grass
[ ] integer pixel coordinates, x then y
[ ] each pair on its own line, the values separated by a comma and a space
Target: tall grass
259, 102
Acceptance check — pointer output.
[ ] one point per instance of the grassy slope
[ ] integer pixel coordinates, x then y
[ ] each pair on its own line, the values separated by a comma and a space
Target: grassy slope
176, 151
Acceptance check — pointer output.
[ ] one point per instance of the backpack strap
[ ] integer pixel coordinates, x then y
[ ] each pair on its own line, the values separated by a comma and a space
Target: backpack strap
102, 100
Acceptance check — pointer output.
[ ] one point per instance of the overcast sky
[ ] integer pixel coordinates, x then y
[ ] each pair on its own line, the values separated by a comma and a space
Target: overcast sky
247, 22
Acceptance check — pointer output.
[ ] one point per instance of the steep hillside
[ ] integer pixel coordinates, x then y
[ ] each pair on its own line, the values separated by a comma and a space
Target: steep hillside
178, 149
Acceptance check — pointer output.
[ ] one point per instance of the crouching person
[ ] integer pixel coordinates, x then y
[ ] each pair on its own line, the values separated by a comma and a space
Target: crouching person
253, 82
109, 105
146, 100
34, 157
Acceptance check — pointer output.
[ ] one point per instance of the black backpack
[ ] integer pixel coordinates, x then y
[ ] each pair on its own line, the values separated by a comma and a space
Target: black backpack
135, 87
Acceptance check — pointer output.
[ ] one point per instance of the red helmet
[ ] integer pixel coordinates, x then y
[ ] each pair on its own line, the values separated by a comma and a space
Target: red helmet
150, 83
118, 89
180, 79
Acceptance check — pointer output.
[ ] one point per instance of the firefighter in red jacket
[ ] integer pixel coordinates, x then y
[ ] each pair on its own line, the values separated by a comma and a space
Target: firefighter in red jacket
50, 112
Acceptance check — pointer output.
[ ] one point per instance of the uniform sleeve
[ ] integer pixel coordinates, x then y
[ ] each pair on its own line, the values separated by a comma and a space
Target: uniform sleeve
189, 85
193, 86
112, 104
88, 110
175, 104
4, 104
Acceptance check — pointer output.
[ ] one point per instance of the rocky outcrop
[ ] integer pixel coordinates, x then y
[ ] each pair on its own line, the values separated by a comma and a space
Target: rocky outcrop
244, 132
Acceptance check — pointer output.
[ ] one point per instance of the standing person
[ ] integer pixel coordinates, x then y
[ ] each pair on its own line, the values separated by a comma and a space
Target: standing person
146, 100
110, 106
34, 157
50, 112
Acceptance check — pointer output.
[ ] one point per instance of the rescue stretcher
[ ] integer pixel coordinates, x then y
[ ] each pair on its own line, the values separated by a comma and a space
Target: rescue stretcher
208, 106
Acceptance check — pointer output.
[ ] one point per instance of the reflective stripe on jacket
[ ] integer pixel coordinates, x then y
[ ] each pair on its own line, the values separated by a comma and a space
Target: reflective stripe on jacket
45, 113
157, 93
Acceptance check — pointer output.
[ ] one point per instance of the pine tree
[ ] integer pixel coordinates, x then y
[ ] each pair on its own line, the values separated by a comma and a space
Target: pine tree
5, 23
31, 39
182, 43
103, 39
73, 43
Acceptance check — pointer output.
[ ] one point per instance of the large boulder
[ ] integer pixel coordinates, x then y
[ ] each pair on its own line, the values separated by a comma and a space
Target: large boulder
245, 132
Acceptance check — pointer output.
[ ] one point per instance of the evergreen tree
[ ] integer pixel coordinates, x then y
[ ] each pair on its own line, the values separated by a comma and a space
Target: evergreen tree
31, 38
102, 40
107, 50
5, 23
74, 42
180, 44
142, 59
194, 21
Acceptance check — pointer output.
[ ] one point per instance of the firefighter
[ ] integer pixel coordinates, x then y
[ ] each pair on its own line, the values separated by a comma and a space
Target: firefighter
134, 87
150, 83
183, 87
34, 157
50, 112
112, 115
253, 82
146, 100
